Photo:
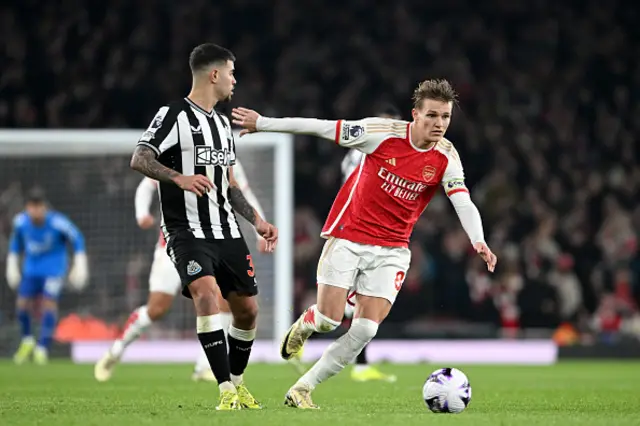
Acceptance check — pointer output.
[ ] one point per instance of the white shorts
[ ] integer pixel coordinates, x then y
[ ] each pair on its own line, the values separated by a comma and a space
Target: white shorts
163, 277
364, 269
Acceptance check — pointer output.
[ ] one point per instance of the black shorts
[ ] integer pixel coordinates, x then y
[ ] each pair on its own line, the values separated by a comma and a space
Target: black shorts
229, 261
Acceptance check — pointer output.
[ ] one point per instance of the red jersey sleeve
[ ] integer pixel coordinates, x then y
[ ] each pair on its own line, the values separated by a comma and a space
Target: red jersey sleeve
453, 178
367, 134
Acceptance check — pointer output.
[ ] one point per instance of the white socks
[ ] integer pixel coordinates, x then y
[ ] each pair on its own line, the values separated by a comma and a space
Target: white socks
202, 362
227, 319
340, 353
313, 320
137, 323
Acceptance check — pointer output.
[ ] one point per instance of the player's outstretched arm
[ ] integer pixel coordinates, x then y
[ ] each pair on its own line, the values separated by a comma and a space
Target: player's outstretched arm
364, 135
13, 274
243, 208
252, 122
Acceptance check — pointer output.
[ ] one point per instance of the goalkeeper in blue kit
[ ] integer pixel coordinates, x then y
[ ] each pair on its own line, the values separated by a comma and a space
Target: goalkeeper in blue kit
40, 236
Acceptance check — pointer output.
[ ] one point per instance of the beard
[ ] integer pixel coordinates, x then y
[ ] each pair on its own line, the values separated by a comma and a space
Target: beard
226, 96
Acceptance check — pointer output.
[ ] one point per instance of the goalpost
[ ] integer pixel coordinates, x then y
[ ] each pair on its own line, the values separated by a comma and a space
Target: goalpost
85, 175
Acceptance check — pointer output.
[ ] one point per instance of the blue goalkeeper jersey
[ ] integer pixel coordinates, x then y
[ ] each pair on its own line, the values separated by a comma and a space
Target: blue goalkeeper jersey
44, 246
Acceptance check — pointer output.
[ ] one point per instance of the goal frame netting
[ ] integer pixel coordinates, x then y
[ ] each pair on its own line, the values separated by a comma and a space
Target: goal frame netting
98, 142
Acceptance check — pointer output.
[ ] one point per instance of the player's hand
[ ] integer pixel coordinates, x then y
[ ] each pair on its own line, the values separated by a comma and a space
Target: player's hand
146, 222
79, 272
261, 244
487, 255
198, 184
245, 118
13, 271
269, 233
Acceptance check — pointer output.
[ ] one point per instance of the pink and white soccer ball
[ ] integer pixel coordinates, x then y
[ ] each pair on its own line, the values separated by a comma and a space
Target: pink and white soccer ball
447, 390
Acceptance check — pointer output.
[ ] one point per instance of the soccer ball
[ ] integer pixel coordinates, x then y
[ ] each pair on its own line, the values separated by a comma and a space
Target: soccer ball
447, 390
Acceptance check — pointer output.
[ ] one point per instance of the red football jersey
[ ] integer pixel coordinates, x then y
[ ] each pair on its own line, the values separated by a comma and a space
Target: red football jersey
383, 198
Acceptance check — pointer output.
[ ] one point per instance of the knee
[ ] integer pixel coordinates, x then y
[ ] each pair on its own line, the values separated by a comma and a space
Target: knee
158, 305
23, 304
245, 316
205, 297
331, 309
156, 311
49, 305
204, 291
363, 330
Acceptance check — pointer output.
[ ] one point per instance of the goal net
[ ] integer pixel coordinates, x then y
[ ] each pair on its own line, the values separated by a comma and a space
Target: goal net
86, 175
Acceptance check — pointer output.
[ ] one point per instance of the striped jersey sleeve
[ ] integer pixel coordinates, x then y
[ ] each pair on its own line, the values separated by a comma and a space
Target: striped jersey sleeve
162, 133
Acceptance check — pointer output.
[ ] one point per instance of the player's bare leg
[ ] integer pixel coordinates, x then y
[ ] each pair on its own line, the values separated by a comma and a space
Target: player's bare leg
24, 308
205, 294
158, 304
370, 312
323, 317
202, 370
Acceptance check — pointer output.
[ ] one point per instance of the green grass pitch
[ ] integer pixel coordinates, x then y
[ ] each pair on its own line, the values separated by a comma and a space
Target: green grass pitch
604, 393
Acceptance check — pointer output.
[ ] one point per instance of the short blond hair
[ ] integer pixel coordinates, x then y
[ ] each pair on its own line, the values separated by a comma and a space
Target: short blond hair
435, 89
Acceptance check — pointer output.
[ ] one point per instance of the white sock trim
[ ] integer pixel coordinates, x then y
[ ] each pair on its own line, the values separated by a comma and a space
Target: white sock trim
244, 335
237, 380
208, 324
321, 322
226, 316
323, 318
227, 386
363, 329
365, 322
143, 316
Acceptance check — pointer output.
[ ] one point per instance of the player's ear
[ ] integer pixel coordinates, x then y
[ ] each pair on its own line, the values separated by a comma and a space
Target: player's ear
213, 75
414, 114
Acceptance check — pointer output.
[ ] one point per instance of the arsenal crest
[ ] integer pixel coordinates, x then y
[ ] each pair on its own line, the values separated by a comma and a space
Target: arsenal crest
428, 173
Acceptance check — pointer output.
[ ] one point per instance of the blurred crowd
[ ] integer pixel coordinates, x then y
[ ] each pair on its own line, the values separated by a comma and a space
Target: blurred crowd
545, 128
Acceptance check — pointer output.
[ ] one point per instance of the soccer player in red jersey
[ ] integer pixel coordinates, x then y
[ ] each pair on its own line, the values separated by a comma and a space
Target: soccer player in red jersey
372, 217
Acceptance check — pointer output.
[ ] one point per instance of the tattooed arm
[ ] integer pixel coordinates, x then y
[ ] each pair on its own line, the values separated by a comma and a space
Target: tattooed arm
240, 203
244, 209
144, 161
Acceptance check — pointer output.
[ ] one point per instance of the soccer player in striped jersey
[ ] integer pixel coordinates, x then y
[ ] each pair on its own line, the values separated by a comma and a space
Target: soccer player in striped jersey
370, 223
189, 149
165, 284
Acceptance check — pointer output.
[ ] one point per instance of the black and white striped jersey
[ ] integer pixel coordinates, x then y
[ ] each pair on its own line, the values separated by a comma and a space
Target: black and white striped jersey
192, 141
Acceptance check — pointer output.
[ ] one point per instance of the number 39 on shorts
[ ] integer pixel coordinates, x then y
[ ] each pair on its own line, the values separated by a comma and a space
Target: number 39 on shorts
251, 271
399, 280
